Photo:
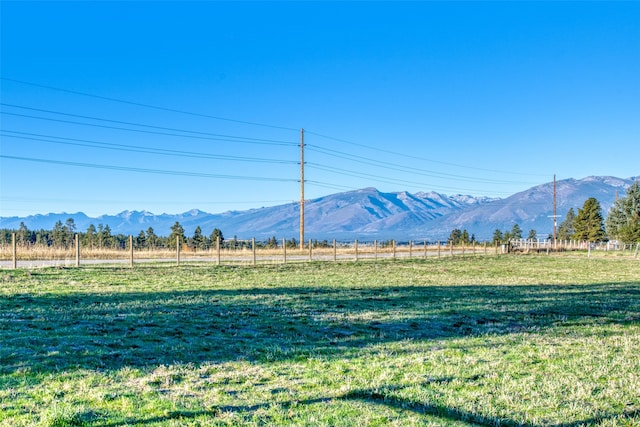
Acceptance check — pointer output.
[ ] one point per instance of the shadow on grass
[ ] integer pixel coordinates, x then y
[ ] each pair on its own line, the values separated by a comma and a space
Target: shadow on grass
383, 397
386, 398
55, 332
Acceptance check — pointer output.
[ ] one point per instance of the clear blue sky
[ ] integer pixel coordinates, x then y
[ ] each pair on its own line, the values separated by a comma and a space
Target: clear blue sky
477, 98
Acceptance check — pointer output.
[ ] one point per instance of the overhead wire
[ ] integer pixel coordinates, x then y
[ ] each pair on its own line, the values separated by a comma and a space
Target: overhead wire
147, 170
401, 168
140, 104
138, 149
146, 131
393, 181
230, 138
413, 157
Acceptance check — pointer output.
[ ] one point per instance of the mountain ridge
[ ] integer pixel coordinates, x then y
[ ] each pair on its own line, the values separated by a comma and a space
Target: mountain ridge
367, 213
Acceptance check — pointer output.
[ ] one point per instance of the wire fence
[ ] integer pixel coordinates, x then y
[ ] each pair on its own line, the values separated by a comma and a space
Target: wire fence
15, 256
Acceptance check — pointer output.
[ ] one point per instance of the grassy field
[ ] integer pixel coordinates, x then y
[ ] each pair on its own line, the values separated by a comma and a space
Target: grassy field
513, 340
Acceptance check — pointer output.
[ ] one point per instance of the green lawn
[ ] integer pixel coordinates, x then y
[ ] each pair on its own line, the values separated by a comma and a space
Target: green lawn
512, 340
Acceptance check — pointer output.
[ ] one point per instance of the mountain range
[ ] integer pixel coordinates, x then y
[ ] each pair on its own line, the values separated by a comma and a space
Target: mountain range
368, 214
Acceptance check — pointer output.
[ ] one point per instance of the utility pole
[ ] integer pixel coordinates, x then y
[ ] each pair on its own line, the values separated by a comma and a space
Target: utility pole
555, 217
301, 188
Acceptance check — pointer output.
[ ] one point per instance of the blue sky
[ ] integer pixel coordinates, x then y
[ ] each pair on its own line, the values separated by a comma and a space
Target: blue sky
169, 106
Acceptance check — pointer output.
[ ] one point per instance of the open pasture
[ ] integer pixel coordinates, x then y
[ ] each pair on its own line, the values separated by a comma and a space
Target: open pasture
512, 340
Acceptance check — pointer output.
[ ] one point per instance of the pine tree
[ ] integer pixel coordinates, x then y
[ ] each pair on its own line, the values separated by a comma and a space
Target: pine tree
516, 232
623, 221
589, 223
198, 241
90, 236
23, 236
152, 239
497, 236
455, 236
533, 235
141, 240
58, 235
215, 235
567, 227
107, 238
177, 233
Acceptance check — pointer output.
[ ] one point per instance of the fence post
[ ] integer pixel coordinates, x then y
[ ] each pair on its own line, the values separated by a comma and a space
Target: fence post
393, 246
14, 251
131, 251
76, 242
485, 247
410, 249
375, 250
425, 249
335, 250
635, 255
462, 248
451, 248
310, 250
177, 250
356, 250
284, 251
253, 249
218, 250
588, 250
438, 249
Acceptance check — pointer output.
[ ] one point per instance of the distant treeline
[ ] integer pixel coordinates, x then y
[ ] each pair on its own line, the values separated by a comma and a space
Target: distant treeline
101, 237
63, 236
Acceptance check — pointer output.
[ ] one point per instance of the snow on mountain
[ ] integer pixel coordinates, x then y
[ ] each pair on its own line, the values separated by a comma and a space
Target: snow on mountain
368, 214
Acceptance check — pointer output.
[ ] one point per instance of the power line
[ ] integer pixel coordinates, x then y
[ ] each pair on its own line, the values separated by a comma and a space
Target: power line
155, 201
413, 157
229, 137
392, 181
402, 168
145, 170
139, 149
146, 131
140, 104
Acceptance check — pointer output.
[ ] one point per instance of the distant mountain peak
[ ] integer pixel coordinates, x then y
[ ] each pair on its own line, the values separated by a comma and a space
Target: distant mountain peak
367, 213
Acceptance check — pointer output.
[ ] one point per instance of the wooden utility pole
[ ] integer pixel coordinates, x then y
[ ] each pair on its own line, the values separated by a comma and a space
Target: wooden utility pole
301, 188
555, 216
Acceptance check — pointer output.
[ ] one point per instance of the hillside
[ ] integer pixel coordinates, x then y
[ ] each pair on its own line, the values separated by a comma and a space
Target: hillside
368, 214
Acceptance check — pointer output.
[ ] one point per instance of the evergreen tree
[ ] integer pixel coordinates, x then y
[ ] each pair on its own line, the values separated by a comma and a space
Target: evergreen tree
623, 221
533, 235
198, 241
100, 236
70, 226
215, 234
23, 236
177, 233
567, 227
455, 237
107, 238
90, 236
141, 240
516, 232
589, 223
464, 237
58, 235
151, 238
497, 236
272, 242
